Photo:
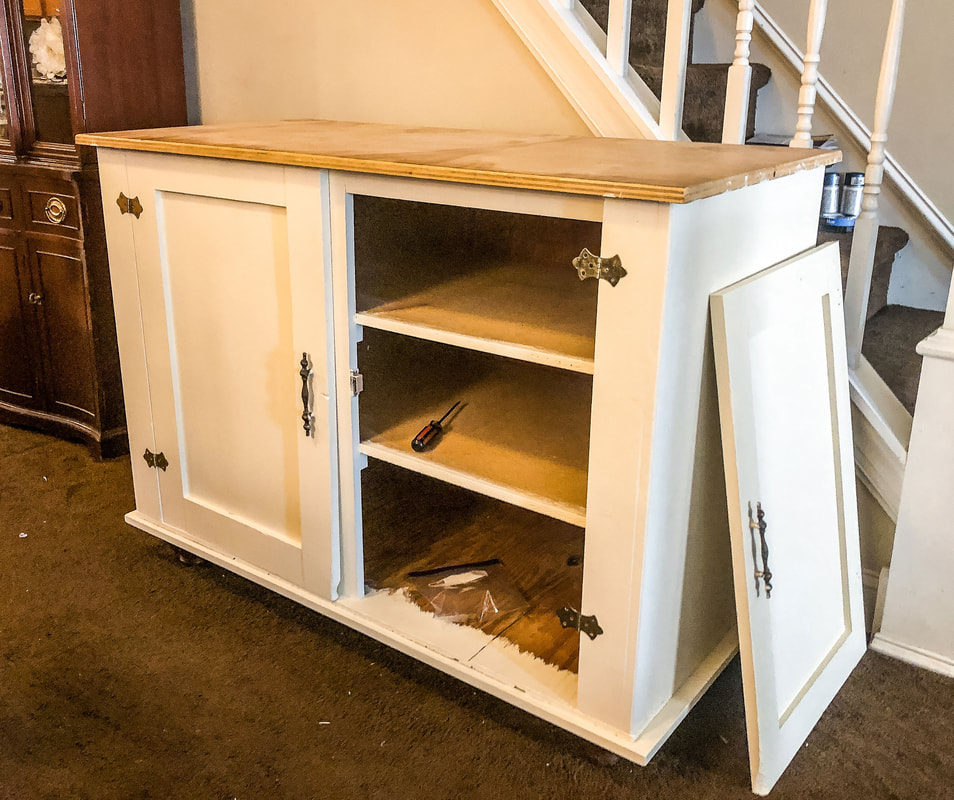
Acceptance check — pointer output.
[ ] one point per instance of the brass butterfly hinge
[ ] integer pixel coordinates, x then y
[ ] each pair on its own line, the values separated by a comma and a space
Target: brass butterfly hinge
588, 265
571, 618
156, 460
129, 205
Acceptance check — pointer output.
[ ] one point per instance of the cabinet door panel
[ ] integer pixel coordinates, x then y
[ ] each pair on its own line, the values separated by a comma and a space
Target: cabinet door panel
61, 284
786, 428
219, 277
18, 367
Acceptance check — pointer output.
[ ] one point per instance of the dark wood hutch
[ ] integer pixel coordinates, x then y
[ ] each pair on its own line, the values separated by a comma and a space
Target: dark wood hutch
120, 67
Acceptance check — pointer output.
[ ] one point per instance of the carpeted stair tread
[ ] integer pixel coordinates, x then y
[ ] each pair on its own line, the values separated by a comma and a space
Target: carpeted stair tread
891, 336
647, 38
704, 106
891, 240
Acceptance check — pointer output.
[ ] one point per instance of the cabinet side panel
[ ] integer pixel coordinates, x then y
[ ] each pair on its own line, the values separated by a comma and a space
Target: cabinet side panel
131, 62
714, 242
124, 277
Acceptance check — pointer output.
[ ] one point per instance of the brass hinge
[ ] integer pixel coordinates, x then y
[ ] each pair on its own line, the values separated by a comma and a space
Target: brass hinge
357, 382
129, 205
571, 618
157, 460
588, 265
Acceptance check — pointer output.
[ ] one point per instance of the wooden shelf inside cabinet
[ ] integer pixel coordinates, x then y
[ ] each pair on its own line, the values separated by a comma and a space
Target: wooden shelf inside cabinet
513, 310
521, 434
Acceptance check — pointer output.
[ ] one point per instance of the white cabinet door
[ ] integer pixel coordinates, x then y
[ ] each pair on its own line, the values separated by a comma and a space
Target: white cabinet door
232, 262
783, 395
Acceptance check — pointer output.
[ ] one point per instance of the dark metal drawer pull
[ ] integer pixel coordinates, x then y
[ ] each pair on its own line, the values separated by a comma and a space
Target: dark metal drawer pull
307, 418
758, 524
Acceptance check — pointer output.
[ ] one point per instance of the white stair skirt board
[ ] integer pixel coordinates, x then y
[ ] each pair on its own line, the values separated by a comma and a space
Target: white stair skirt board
786, 430
918, 605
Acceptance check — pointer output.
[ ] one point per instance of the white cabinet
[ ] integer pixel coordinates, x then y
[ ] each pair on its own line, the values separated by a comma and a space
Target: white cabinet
579, 482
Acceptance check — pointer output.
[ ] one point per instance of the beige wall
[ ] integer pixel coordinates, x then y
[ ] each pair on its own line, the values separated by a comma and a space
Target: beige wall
851, 59
414, 62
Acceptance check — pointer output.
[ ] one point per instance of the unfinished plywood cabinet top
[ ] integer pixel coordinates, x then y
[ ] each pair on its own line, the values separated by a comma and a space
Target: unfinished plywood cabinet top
674, 172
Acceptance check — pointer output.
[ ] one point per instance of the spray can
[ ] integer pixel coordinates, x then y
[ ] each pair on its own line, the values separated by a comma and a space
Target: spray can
851, 193
831, 195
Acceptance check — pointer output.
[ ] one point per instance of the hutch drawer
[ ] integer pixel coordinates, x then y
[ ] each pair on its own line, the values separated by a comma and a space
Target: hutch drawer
52, 206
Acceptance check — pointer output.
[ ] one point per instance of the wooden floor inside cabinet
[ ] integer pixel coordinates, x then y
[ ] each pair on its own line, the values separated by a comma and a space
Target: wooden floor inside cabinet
520, 434
490, 280
534, 564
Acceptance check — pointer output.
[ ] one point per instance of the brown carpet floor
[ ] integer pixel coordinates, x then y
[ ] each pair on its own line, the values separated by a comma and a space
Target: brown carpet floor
124, 674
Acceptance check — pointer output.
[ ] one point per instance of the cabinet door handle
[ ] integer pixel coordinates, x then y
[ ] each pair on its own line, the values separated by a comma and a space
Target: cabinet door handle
765, 574
307, 418
36, 299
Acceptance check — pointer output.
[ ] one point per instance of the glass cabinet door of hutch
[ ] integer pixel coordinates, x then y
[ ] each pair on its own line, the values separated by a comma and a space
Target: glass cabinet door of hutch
38, 69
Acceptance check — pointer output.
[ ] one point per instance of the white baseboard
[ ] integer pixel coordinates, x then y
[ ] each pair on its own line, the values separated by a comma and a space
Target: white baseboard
913, 655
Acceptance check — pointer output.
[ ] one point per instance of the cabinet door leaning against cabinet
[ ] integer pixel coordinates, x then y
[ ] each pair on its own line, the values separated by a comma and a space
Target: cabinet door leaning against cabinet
64, 379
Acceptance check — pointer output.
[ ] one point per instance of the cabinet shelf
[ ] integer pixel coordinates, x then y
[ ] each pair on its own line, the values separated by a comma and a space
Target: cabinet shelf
521, 434
514, 310
494, 281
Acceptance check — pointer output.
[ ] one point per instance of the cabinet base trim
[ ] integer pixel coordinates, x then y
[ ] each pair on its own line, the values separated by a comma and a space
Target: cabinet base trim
639, 749
104, 444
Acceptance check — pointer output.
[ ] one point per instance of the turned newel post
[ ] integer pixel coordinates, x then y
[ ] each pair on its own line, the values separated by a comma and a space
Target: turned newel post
807, 92
740, 78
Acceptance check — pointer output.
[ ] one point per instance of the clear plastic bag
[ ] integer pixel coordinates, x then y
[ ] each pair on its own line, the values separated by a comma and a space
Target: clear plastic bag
477, 594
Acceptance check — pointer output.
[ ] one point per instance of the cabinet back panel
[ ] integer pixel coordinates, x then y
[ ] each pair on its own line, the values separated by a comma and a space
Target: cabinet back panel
228, 306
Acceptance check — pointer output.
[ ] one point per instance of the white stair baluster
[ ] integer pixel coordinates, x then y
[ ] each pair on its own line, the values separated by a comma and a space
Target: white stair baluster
806, 93
861, 263
617, 35
740, 78
675, 63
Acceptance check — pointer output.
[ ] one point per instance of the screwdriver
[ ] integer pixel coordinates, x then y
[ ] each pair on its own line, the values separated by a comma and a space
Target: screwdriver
430, 431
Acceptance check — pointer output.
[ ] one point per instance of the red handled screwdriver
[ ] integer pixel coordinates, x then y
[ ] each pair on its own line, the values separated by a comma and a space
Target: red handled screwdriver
430, 431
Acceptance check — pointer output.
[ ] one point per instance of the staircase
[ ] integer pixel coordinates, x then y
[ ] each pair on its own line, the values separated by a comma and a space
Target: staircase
892, 331
705, 83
